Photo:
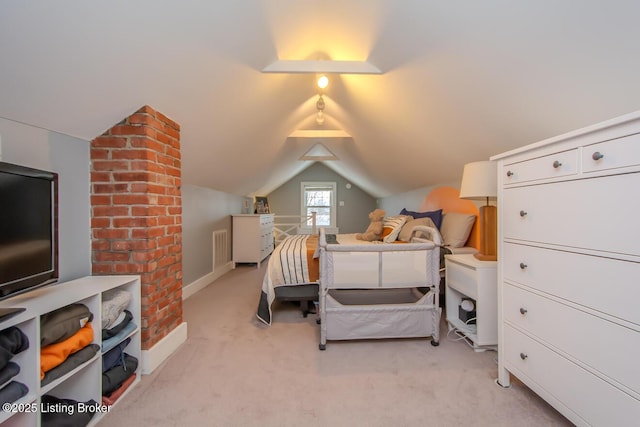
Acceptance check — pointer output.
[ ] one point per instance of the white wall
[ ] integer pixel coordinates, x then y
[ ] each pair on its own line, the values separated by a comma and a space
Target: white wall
68, 156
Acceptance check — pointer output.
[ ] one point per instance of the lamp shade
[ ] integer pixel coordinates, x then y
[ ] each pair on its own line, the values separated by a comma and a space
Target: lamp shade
479, 180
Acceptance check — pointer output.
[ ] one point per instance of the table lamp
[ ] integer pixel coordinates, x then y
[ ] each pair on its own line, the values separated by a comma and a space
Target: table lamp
479, 182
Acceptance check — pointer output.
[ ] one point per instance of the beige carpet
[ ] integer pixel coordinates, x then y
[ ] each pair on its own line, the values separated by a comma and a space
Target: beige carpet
233, 371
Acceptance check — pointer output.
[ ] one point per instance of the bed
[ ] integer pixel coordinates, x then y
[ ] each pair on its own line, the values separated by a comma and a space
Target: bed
293, 269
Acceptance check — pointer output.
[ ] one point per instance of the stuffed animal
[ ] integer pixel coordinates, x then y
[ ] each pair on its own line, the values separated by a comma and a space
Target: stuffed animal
374, 230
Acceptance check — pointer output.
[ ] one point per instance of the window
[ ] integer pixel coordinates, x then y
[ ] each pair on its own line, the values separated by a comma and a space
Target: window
319, 197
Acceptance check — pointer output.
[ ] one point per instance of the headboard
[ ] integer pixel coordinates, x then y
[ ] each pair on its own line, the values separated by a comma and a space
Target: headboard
448, 199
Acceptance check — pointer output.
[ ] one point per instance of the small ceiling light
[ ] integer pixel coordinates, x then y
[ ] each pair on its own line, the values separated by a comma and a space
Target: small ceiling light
320, 108
323, 82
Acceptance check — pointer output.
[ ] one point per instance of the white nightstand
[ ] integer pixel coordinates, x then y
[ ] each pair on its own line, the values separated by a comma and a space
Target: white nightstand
466, 277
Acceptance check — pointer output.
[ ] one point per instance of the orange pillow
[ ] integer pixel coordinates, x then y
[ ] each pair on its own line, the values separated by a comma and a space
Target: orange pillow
54, 354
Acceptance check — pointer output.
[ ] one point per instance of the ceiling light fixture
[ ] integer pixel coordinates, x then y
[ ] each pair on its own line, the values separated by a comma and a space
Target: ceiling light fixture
322, 83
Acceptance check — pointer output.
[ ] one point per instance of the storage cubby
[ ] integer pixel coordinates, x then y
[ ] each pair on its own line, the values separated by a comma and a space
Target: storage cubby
84, 382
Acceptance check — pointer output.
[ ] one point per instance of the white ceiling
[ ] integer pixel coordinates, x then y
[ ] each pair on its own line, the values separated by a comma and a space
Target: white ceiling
462, 80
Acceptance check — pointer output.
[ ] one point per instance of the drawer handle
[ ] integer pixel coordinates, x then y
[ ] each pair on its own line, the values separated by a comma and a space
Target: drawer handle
523, 311
523, 356
523, 265
509, 174
597, 156
523, 213
557, 164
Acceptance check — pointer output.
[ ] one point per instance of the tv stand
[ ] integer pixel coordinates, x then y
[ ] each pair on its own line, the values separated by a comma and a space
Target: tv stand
83, 383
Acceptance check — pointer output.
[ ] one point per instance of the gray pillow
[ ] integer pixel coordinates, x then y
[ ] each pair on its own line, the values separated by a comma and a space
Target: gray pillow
456, 228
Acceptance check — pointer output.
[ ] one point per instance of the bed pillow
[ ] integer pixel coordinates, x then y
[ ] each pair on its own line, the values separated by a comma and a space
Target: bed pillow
456, 228
407, 228
391, 227
436, 216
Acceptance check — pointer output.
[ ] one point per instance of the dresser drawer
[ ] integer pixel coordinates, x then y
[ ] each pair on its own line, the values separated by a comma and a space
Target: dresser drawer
604, 346
555, 377
603, 284
266, 221
555, 165
598, 214
617, 153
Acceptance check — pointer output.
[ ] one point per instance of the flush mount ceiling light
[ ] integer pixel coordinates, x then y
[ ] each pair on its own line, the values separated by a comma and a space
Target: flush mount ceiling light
321, 66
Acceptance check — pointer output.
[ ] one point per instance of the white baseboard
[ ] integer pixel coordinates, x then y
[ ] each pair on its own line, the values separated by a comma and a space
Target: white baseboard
164, 348
205, 280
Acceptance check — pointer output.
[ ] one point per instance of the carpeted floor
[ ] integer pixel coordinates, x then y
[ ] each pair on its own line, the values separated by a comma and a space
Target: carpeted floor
234, 371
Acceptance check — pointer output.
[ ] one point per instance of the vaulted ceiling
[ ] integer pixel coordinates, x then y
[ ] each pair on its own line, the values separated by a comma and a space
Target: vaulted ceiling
461, 80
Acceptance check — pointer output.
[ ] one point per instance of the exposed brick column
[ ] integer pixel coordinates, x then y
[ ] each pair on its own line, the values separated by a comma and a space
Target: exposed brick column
136, 221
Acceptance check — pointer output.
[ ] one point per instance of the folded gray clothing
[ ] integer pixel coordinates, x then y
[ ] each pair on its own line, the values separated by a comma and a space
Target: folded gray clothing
117, 327
12, 342
12, 392
60, 324
73, 361
8, 373
113, 303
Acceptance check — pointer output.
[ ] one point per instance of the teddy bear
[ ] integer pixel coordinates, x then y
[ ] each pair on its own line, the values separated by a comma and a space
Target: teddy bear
374, 230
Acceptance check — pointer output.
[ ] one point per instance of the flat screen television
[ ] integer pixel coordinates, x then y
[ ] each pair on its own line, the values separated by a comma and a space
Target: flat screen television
28, 229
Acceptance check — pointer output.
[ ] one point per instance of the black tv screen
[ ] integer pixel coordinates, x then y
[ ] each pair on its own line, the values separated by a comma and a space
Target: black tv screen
28, 229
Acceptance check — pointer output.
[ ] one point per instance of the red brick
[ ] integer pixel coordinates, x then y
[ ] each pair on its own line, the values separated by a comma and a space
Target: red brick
111, 256
131, 176
148, 143
97, 154
110, 165
110, 188
167, 120
125, 129
128, 268
133, 245
133, 155
100, 177
110, 211
100, 200
100, 222
111, 234
148, 210
109, 142
134, 199
147, 221
101, 269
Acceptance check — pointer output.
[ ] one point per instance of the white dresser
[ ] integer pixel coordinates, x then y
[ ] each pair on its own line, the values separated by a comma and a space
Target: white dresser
252, 238
569, 271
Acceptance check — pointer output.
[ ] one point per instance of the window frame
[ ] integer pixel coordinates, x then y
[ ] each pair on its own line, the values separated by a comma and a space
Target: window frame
332, 187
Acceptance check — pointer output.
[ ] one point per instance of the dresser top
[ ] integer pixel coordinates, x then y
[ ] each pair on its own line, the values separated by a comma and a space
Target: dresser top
626, 119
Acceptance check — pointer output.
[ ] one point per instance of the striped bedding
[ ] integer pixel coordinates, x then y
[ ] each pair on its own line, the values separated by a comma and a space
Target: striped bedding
292, 262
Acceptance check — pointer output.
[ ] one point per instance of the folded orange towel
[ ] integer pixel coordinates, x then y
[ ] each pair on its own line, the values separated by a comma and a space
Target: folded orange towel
54, 354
